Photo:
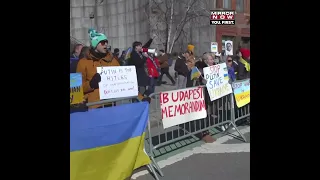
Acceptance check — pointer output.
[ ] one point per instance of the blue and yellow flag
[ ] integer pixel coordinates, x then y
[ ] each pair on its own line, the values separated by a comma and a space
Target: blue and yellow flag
108, 143
195, 73
76, 90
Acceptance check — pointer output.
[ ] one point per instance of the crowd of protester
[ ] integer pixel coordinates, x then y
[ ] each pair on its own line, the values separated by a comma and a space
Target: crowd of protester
150, 68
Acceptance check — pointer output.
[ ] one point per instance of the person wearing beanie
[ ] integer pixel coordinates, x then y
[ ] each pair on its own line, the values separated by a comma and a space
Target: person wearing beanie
245, 54
241, 66
191, 48
97, 56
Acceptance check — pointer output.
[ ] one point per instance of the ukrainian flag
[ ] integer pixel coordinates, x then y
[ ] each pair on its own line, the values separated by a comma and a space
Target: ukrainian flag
195, 73
226, 77
108, 143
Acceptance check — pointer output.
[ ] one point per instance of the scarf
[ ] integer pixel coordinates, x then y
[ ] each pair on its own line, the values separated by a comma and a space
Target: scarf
245, 63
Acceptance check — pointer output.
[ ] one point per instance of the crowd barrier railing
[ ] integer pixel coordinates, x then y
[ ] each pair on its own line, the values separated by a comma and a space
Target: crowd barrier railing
115, 102
219, 112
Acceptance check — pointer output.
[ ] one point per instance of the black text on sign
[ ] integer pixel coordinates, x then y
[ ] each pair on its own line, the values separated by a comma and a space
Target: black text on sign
222, 18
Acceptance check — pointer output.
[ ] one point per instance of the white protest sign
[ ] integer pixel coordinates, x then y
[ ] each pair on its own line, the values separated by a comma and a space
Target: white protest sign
228, 45
214, 47
217, 81
181, 106
117, 82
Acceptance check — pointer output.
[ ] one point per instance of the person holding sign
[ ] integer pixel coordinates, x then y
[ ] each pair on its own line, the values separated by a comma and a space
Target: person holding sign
98, 56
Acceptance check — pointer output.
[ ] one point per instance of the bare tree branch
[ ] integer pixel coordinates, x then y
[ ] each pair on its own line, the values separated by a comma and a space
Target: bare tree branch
158, 6
145, 12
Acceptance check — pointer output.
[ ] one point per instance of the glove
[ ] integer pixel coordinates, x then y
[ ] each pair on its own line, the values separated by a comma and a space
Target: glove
94, 83
147, 99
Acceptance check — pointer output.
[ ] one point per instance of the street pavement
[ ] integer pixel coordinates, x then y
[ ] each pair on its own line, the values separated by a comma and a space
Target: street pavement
228, 158
155, 105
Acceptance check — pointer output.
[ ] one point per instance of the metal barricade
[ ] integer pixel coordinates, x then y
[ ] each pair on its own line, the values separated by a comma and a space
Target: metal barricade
242, 112
219, 112
115, 102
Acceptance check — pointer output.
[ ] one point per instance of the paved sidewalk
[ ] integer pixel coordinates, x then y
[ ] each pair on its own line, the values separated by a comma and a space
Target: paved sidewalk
226, 159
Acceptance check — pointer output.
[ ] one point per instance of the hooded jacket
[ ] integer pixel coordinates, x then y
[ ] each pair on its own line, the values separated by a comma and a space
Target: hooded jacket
88, 68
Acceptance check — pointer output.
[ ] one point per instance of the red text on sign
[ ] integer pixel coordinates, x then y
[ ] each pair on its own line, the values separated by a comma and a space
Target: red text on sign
185, 101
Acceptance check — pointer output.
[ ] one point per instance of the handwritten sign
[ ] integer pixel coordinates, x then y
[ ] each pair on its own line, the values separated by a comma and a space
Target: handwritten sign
181, 106
76, 90
117, 81
217, 81
241, 91
214, 47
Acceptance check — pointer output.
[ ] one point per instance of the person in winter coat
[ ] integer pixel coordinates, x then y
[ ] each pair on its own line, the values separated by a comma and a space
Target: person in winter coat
76, 51
241, 66
231, 71
139, 61
98, 56
122, 59
182, 70
164, 65
116, 52
245, 60
190, 60
74, 64
153, 66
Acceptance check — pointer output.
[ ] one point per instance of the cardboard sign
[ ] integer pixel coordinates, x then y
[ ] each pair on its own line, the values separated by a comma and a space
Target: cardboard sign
117, 82
241, 91
181, 106
228, 46
217, 81
76, 90
214, 47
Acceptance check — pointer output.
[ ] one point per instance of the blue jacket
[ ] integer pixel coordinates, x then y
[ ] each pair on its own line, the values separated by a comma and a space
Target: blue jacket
232, 75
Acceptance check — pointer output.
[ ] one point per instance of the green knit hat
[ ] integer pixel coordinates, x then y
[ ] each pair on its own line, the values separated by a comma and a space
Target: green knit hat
96, 37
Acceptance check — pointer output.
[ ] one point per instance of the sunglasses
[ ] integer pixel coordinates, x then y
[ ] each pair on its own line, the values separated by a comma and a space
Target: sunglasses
103, 42
229, 60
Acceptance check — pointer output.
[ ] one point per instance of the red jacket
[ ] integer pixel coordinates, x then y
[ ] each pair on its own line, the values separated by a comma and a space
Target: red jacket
152, 70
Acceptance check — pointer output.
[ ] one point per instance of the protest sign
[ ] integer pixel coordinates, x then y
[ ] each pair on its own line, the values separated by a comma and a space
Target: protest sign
217, 81
214, 47
241, 91
76, 90
228, 45
181, 106
117, 82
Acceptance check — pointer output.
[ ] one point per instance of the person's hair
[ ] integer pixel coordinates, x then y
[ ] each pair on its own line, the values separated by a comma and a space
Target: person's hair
161, 50
83, 52
206, 56
135, 44
116, 50
229, 56
229, 43
76, 47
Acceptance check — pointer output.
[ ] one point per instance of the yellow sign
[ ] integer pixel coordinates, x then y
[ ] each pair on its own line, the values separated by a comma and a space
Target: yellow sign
76, 90
241, 90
